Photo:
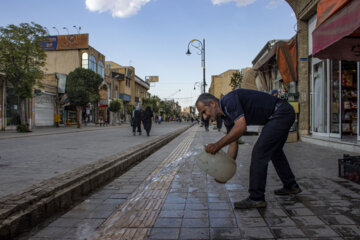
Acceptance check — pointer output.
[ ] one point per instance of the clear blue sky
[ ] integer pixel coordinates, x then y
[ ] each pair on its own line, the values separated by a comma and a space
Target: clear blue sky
152, 35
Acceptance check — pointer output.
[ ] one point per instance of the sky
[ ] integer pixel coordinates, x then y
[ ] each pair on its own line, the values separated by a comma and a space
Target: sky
153, 35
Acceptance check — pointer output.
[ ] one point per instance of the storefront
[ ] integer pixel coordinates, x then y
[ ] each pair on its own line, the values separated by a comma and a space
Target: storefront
102, 114
70, 115
335, 81
335, 99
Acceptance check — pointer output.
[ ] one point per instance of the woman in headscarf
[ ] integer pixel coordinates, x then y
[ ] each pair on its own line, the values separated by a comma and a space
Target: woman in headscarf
136, 120
147, 120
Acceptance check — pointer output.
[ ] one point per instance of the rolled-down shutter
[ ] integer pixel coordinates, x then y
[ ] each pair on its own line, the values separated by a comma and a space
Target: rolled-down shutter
44, 110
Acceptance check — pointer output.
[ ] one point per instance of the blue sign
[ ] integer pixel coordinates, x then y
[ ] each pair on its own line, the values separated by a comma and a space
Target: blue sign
50, 44
125, 97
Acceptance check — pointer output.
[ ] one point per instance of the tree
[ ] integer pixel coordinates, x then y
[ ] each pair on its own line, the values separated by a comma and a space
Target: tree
153, 102
114, 107
83, 87
236, 80
21, 59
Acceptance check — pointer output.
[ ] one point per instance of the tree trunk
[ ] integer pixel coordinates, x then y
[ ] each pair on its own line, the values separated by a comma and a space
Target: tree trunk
78, 114
22, 111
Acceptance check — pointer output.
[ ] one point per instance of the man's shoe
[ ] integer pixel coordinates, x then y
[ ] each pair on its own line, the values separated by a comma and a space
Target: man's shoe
248, 203
288, 191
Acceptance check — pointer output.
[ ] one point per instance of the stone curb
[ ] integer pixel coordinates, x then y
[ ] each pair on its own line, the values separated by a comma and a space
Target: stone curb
22, 211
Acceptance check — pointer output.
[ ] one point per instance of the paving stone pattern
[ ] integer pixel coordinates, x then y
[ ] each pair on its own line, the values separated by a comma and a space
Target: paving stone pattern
197, 207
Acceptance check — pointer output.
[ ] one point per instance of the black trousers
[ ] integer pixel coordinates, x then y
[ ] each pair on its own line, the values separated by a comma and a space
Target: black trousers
219, 122
269, 146
206, 123
137, 124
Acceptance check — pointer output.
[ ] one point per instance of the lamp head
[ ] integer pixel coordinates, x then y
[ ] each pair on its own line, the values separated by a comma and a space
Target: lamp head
188, 52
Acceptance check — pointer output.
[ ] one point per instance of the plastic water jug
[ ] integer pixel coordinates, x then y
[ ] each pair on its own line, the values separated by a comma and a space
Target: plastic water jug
220, 166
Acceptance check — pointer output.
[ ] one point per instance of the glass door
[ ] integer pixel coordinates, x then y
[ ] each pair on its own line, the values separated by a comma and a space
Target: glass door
320, 89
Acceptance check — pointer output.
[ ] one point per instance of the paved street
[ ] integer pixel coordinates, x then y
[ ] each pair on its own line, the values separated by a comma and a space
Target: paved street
167, 196
51, 151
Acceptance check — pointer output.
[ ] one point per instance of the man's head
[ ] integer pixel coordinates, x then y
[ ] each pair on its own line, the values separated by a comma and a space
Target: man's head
208, 106
275, 92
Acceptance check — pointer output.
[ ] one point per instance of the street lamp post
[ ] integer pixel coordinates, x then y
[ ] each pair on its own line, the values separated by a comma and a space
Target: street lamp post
200, 46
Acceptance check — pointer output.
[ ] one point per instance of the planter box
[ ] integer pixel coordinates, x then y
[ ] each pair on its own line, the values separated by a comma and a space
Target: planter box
349, 168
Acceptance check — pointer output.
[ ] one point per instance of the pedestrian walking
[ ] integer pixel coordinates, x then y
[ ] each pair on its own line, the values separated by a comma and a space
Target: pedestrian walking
219, 123
275, 92
205, 123
147, 120
159, 120
243, 107
136, 120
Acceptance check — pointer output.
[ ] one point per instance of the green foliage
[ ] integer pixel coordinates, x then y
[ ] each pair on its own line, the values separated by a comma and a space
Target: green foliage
22, 128
236, 80
22, 56
166, 107
130, 109
115, 106
83, 86
152, 102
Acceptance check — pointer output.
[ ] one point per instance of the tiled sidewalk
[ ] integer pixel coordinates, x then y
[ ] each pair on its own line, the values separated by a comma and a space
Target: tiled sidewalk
196, 207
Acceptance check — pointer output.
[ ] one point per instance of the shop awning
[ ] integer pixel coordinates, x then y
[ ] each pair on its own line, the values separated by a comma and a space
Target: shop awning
285, 53
337, 35
265, 59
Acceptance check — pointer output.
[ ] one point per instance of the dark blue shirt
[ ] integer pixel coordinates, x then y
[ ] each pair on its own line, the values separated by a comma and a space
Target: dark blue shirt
255, 106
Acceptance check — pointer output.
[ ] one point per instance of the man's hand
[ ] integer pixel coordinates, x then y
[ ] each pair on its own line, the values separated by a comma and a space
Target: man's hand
212, 148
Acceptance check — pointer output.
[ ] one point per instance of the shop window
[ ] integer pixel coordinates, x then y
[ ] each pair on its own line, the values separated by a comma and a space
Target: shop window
101, 70
349, 91
85, 60
334, 97
92, 63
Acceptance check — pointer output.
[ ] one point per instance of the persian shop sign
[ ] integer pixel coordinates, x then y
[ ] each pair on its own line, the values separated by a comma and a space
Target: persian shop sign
63, 42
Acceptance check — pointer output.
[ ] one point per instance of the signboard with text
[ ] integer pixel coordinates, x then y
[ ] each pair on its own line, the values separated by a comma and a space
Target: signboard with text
152, 79
65, 42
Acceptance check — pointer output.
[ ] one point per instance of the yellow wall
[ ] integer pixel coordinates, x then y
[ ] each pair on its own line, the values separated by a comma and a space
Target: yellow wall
66, 61
220, 84
62, 61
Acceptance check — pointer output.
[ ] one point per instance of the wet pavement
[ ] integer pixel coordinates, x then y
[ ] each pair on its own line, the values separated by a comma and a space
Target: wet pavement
167, 196
49, 152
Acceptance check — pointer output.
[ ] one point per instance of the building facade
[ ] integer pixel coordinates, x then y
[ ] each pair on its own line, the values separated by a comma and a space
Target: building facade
220, 84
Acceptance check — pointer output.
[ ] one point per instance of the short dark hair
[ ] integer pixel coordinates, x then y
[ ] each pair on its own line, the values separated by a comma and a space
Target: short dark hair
205, 98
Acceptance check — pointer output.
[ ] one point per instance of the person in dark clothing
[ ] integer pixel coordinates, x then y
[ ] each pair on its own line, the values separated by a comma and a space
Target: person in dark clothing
219, 123
206, 123
147, 120
243, 107
137, 116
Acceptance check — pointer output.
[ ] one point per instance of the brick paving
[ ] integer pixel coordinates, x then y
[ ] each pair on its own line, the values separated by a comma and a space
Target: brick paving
168, 197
